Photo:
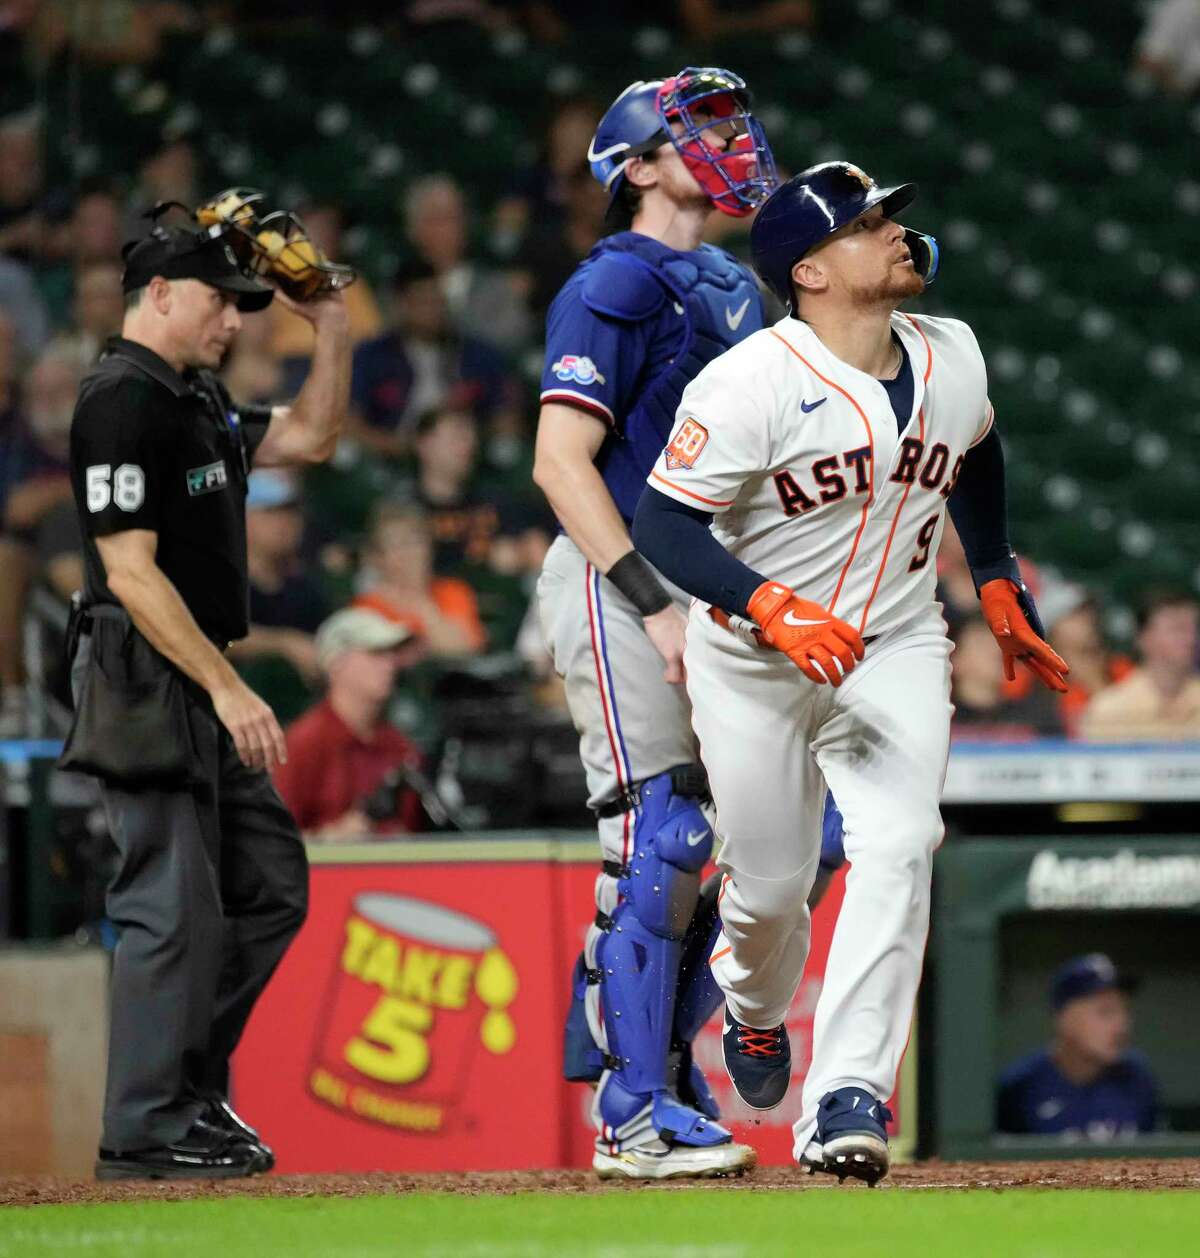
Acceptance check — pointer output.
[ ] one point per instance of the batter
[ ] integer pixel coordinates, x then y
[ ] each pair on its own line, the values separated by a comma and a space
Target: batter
801, 500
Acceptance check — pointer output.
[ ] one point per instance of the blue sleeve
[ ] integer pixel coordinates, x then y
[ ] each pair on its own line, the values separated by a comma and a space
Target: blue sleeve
592, 361
1010, 1109
678, 542
1147, 1119
370, 367
485, 377
979, 509
358, 383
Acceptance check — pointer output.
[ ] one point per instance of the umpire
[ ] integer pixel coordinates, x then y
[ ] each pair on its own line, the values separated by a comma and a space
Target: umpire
211, 881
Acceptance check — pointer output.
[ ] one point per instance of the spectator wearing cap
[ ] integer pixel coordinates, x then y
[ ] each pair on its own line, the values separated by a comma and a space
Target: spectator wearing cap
419, 363
278, 656
344, 750
442, 611
1160, 699
1088, 1084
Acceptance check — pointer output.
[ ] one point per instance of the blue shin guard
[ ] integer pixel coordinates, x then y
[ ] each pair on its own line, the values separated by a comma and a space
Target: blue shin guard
639, 959
583, 1058
697, 998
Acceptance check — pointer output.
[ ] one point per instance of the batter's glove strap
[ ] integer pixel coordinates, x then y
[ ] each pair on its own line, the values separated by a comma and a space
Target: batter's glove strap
1008, 569
1012, 617
821, 646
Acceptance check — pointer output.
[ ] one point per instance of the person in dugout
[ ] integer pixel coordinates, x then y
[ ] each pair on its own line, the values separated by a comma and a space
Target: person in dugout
210, 881
1088, 1084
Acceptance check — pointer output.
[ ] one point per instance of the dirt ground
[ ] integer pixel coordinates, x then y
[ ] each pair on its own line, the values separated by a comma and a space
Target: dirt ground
1135, 1173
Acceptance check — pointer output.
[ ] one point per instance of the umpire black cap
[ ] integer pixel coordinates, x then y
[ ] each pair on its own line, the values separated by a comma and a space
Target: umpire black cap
178, 253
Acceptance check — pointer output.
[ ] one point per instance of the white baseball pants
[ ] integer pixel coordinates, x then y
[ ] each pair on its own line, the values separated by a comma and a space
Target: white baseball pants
771, 741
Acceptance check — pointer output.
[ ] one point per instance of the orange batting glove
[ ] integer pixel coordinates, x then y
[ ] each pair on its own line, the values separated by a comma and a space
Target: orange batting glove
1017, 639
806, 633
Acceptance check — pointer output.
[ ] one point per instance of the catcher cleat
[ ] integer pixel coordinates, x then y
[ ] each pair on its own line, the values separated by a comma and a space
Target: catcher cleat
663, 1161
851, 1137
681, 1124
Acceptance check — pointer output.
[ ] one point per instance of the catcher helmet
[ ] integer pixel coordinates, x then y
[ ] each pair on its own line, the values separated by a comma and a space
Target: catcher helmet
814, 204
736, 179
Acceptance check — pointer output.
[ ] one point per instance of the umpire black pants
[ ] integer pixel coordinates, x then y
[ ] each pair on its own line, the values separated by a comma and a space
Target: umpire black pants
210, 887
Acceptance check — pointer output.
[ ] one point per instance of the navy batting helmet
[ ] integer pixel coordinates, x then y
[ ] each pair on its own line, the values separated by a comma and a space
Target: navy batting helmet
814, 204
736, 179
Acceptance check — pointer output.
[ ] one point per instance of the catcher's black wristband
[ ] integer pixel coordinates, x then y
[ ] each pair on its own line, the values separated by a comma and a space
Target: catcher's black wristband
634, 577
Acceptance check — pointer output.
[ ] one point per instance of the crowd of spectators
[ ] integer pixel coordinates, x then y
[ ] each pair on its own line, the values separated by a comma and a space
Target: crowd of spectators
1151, 696
427, 522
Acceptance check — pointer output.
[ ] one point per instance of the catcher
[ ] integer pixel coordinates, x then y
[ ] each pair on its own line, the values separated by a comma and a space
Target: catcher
210, 881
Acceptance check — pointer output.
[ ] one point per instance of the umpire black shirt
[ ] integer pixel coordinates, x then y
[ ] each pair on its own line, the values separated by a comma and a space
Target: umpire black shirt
151, 449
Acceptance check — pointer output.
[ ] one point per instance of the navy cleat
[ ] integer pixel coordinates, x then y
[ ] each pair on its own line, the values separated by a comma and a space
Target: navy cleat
851, 1137
759, 1062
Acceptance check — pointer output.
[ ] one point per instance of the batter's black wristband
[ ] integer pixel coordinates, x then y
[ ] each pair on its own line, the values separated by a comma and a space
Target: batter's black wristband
634, 577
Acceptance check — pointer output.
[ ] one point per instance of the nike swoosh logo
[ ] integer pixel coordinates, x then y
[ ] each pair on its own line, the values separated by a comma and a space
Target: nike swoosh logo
734, 318
790, 618
812, 406
696, 836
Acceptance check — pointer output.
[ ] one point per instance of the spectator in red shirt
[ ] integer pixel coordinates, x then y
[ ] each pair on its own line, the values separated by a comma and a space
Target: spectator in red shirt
343, 754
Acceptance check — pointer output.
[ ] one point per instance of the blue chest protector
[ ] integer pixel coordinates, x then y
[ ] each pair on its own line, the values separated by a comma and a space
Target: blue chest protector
688, 309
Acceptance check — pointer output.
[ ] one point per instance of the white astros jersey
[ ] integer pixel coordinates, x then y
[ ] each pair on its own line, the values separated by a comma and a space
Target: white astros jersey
798, 456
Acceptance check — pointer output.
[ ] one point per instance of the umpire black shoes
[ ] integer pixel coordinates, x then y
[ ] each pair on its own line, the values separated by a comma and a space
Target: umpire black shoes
221, 1114
758, 1061
205, 1152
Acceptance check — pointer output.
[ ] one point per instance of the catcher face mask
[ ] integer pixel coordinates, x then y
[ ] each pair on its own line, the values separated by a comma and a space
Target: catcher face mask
273, 246
739, 173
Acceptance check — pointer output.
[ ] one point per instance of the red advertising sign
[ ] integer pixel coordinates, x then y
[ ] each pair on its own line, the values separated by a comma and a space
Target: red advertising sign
416, 1022
413, 1024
